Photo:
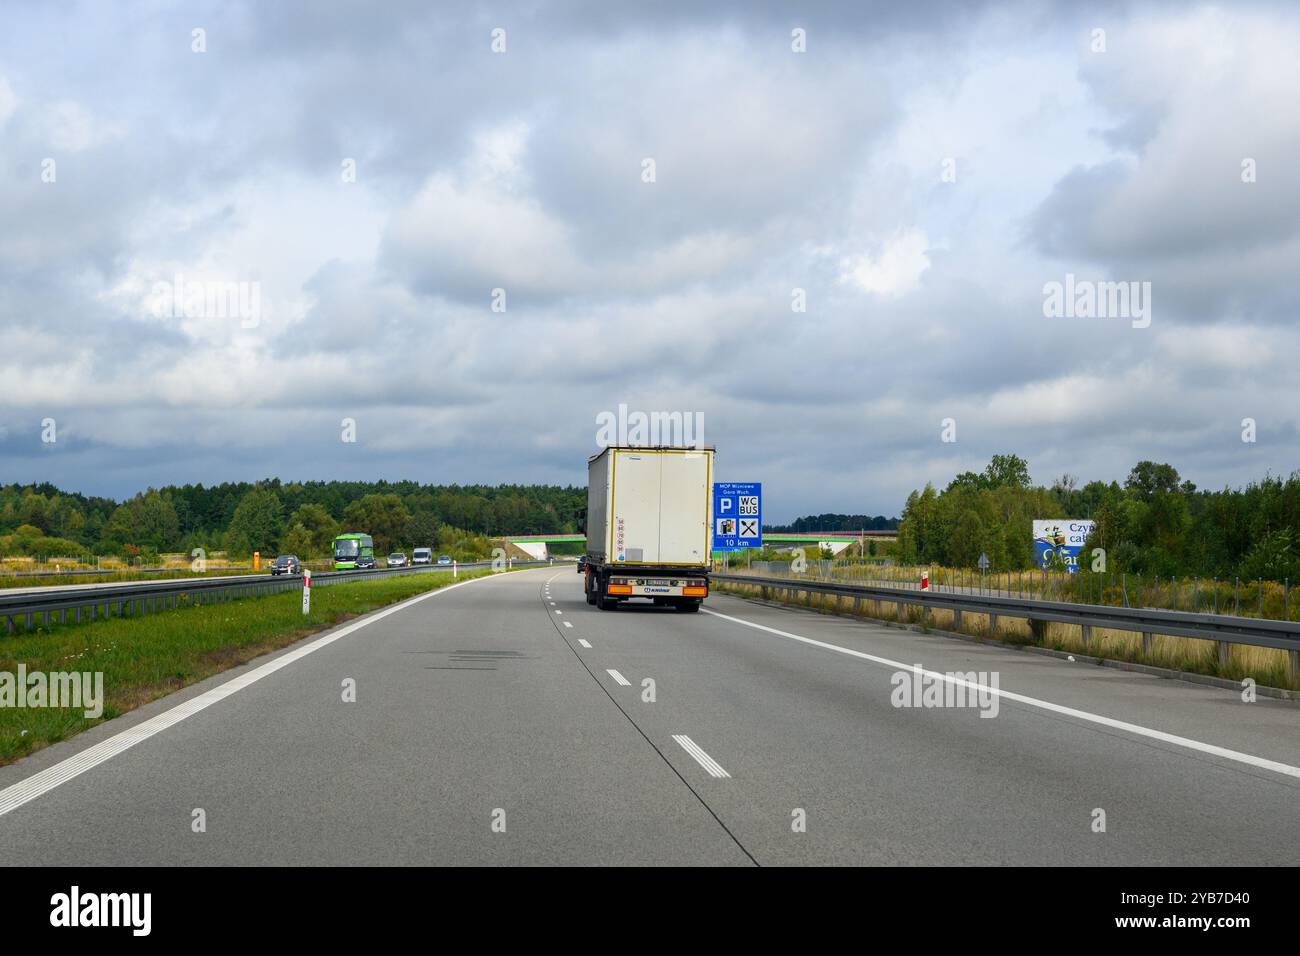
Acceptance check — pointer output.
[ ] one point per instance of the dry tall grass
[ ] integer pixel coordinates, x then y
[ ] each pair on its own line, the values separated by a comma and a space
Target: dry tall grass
1267, 666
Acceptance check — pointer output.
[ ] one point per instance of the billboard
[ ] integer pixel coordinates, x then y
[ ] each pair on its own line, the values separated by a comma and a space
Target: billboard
1063, 537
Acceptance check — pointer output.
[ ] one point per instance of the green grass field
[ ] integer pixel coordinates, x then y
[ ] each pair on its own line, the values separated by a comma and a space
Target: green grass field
144, 658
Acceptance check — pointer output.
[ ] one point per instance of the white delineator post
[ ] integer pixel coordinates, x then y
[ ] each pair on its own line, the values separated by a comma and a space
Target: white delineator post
453, 569
306, 590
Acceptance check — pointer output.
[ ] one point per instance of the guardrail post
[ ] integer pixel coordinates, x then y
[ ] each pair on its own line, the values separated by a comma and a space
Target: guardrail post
898, 606
1147, 639
1293, 666
956, 619
993, 624
1224, 650
1085, 633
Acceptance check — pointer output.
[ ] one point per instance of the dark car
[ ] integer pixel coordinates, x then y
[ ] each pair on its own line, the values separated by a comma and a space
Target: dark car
582, 563
286, 564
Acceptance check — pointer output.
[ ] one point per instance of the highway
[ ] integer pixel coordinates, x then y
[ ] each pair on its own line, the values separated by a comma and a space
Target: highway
509, 693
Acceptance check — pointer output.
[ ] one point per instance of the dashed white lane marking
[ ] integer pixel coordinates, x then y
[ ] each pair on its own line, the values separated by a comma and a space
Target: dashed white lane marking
559, 612
567, 623
704, 760
584, 643
1249, 759
622, 681
15, 795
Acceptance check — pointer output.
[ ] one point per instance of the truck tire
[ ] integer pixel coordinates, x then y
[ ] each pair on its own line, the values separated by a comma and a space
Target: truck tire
690, 607
607, 604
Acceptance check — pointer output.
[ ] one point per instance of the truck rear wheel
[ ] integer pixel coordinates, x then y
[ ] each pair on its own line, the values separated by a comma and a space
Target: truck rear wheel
690, 607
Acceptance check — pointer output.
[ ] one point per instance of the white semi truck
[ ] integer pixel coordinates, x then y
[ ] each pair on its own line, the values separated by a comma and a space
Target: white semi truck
649, 514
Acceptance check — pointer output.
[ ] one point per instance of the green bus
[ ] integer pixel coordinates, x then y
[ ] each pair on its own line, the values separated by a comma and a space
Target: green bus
353, 550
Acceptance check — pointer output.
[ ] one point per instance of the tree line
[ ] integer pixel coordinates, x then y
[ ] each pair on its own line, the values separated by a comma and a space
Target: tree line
273, 516
835, 522
1154, 523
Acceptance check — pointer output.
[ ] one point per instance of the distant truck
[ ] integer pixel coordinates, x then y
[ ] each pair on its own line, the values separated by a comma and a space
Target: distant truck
648, 520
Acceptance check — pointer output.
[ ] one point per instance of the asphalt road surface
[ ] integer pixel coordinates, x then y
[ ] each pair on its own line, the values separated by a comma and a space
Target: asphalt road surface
505, 721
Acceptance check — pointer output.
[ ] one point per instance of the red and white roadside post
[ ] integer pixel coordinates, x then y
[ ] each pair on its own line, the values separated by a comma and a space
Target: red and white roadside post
453, 569
306, 590
925, 579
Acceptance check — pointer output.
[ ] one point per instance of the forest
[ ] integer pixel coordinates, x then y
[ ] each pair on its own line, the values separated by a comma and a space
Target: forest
273, 516
1154, 523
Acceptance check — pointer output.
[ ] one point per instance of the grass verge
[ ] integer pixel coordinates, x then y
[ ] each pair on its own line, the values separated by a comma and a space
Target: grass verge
144, 658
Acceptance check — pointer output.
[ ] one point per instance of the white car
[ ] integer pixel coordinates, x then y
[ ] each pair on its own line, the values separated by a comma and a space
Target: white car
422, 556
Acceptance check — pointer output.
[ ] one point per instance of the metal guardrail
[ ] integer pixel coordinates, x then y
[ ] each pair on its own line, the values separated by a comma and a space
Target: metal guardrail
146, 597
1221, 628
90, 572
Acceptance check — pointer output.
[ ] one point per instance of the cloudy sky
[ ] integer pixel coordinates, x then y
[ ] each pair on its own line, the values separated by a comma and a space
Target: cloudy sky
367, 175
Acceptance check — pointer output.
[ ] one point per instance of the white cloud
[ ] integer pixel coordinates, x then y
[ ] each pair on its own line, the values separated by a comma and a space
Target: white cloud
896, 269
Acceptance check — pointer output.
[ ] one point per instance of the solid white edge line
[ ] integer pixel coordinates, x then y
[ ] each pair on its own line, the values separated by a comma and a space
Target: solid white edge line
703, 759
623, 681
1262, 763
38, 784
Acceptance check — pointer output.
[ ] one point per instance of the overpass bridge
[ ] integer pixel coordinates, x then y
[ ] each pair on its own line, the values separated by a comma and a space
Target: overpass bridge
784, 537
538, 545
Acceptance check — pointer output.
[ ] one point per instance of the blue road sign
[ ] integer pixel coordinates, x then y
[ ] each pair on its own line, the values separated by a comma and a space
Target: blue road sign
737, 515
